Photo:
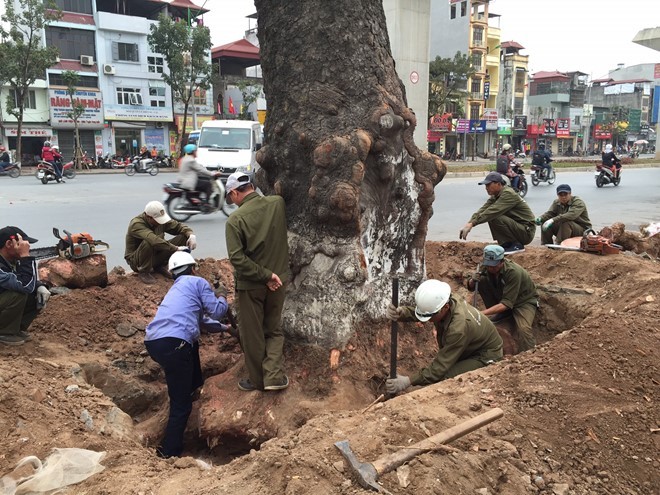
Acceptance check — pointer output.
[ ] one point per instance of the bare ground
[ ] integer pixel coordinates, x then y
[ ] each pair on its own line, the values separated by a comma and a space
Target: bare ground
580, 411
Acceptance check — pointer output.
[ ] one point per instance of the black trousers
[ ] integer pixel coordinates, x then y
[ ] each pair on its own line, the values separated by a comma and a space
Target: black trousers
204, 185
183, 375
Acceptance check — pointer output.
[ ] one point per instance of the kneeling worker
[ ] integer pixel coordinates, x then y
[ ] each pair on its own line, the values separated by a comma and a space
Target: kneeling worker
467, 340
507, 290
567, 217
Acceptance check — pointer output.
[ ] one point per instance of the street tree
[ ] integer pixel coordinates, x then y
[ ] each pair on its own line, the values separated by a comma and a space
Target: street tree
25, 58
185, 50
250, 93
340, 151
71, 79
448, 79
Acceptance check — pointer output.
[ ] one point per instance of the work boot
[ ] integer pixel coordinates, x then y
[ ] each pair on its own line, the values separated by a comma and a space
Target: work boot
246, 385
147, 278
25, 336
162, 269
11, 340
281, 385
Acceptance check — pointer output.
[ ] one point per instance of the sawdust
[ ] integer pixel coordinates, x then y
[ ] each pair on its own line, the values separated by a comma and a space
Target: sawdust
581, 412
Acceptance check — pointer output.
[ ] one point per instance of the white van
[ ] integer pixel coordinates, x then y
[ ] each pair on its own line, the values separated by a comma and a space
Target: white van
229, 146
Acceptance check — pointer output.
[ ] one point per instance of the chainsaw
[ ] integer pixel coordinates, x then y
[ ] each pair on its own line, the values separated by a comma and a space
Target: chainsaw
71, 246
590, 242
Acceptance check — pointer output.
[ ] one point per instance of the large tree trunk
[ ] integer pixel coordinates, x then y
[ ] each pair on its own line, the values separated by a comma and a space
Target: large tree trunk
339, 149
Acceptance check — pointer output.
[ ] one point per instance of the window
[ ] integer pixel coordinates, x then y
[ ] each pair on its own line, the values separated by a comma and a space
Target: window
476, 61
577, 120
463, 9
71, 43
127, 52
475, 112
199, 97
29, 102
452, 11
156, 64
475, 87
224, 138
129, 96
156, 93
478, 36
83, 81
81, 6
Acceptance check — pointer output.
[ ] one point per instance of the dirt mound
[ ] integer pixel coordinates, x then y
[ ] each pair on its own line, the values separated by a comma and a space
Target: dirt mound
581, 412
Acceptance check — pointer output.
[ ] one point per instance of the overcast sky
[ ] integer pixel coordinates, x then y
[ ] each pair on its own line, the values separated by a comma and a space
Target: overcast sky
592, 36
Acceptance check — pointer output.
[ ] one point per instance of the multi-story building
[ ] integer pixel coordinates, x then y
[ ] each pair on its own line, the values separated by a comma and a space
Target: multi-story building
512, 96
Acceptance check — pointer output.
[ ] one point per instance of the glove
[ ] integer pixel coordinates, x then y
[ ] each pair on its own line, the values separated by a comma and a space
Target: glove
192, 241
393, 313
43, 294
547, 225
465, 231
396, 385
538, 221
220, 289
183, 248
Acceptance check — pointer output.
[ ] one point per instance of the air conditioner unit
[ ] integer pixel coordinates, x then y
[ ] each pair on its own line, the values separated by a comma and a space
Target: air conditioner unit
108, 69
86, 60
57, 60
159, 125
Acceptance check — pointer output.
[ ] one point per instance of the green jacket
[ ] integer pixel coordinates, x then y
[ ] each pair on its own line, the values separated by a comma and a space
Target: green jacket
512, 286
139, 230
257, 243
574, 211
506, 203
465, 333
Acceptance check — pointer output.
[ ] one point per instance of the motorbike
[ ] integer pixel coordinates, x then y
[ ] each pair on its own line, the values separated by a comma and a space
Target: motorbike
522, 188
12, 170
142, 166
520, 154
181, 204
540, 174
607, 175
45, 171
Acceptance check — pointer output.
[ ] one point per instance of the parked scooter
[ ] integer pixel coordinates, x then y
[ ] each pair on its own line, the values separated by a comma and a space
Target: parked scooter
46, 172
540, 174
182, 204
12, 170
607, 174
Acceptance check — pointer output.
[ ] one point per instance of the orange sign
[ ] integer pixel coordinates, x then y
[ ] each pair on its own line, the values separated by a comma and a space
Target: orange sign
189, 121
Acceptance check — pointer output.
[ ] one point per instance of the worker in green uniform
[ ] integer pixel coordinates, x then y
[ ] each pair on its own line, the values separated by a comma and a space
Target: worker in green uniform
466, 338
507, 290
147, 250
510, 219
567, 217
258, 249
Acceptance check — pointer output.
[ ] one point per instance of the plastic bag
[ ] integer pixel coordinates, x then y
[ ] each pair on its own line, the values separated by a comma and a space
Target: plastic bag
62, 468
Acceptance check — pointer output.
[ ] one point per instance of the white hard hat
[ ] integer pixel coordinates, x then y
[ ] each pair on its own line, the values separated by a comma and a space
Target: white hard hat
430, 297
179, 261
506, 147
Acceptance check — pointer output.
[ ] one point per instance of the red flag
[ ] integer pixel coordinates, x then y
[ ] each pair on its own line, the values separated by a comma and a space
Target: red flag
232, 110
219, 108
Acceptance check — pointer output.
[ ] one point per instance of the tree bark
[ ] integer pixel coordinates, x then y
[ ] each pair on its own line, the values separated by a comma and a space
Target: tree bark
339, 149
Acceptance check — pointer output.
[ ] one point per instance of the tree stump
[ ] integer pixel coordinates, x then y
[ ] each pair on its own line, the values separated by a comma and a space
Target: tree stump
75, 274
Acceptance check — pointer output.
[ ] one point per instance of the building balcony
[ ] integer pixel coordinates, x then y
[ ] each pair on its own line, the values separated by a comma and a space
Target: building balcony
475, 96
123, 23
479, 18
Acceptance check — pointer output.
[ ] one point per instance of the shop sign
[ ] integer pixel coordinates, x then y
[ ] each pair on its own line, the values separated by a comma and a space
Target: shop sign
550, 127
463, 126
504, 127
520, 122
28, 132
477, 126
602, 132
490, 114
60, 107
441, 123
138, 112
433, 136
178, 119
534, 130
563, 128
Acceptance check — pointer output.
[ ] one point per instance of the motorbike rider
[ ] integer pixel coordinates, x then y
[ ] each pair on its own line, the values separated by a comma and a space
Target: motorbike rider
541, 158
52, 155
193, 176
504, 166
5, 159
143, 157
609, 158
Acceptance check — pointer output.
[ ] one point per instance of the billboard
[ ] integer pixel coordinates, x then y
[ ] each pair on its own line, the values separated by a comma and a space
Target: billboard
550, 127
60, 107
520, 122
563, 128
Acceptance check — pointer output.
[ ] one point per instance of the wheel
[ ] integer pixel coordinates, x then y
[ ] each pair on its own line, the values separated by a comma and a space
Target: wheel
153, 170
600, 181
44, 180
522, 192
616, 181
70, 173
535, 179
36, 173
14, 172
130, 169
553, 177
172, 205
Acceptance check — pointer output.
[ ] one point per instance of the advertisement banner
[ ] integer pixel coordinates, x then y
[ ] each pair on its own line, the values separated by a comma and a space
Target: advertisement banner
490, 114
534, 130
178, 119
486, 90
634, 120
504, 127
477, 126
563, 128
440, 123
60, 107
550, 127
602, 132
520, 122
28, 132
463, 126
433, 136
139, 113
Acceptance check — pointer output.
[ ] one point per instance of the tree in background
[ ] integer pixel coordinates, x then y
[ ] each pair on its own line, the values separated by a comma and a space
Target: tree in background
448, 79
24, 58
250, 93
71, 79
185, 49
339, 149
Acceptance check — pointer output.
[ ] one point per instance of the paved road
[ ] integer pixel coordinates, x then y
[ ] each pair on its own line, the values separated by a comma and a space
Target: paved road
104, 204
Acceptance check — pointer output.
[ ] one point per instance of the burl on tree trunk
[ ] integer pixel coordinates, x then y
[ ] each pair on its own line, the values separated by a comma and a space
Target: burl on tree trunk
339, 148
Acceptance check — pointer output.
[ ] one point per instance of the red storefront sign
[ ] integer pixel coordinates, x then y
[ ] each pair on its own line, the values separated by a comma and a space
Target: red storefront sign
433, 136
534, 130
563, 128
601, 132
441, 123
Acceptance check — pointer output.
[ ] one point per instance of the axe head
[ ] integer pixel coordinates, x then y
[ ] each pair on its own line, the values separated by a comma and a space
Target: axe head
364, 472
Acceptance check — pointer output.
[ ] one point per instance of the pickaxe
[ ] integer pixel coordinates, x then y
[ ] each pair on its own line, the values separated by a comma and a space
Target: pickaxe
367, 473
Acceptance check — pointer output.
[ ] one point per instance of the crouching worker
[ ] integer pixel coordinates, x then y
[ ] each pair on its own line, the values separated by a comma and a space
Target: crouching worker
172, 340
466, 338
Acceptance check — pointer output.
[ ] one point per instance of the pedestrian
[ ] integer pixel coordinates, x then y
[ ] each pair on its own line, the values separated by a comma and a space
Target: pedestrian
147, 250
509, 218
467, 340
172, 340
507, 290
154, 153
567, 217
258, 249
22, 295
